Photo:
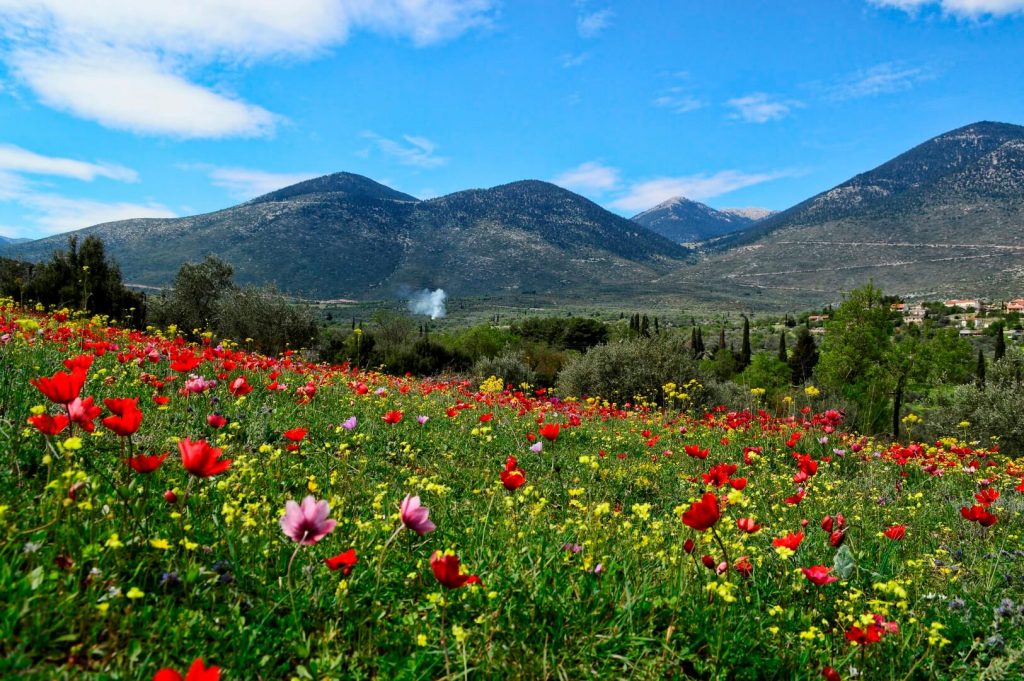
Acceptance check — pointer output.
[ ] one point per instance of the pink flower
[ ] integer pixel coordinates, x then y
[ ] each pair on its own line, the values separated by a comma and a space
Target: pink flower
536, 447
422, 419
198, 384
307, 523
415, 516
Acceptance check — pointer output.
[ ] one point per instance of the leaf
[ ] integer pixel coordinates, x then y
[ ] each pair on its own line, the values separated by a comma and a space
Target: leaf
844, 563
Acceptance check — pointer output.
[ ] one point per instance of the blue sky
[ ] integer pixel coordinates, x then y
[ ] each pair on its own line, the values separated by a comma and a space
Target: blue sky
112, 109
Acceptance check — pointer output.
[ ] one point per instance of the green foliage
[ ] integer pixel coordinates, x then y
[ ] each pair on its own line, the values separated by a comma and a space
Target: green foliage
804, 358
768, 372
512, 367
573, 333
623, 371
857, 338
723, 366
81, 277
993, 409
205, 298
271, 321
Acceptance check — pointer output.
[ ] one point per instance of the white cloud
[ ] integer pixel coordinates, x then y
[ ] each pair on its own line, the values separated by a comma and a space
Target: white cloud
568, 61
643, 195
972, 9
16, 159
761, 108
593, 24
881, 79
54, 214
415, 151
129, 90
134, 65
589, 177
246, 183
677, 100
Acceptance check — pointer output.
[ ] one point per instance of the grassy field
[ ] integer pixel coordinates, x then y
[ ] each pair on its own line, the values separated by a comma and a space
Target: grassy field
571, 538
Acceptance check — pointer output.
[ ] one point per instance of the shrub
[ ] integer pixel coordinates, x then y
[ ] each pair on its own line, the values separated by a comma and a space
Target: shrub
992, 410
271, 321
634, 368
511, 367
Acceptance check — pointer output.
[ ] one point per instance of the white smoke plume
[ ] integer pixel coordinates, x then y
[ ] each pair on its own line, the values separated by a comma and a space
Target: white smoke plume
428, 302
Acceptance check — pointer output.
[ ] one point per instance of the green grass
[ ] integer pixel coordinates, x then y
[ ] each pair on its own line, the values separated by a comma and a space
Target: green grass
651, 611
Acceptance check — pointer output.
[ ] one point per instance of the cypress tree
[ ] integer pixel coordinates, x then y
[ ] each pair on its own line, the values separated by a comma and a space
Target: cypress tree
783, 356
700, 342
721, 338
804, 357
645, 327
656, 329
693, 342
745, 351
981, 369
1000, 344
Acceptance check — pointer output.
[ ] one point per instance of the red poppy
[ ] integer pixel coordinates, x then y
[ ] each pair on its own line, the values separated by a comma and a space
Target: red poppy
295, 434
688, 546
392, 417
343, 561
239, 387
200, 459
719, 474
979, 515
703, 514
216, 420
126, 417
49, 425
836, 538
197, 672
145, 463
870, 634
819, 574
695, 451
708, 562
83, 413
484, 418
81, 362
830, 674
744, 566
795, 499
987, 496
896, 532
549, 431
827, 523
160, 400
791, 541
448, 571
62, 387
748, 525
513, 477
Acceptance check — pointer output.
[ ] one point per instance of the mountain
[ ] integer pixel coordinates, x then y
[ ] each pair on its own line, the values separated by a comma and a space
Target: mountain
6, 240
686, 221
344, 235
944, 218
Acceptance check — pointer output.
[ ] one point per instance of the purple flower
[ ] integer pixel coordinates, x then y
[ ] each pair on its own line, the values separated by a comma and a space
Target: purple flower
415, 515
421, 419
536, 447
572, 548
350, 423
307, 523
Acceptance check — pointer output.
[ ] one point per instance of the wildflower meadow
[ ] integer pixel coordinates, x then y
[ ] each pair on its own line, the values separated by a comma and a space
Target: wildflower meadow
176, 510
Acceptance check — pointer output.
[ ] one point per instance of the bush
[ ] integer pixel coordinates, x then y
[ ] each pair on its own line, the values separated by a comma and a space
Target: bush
271, 321
992, 410
425, 358
633, 368
511, 367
